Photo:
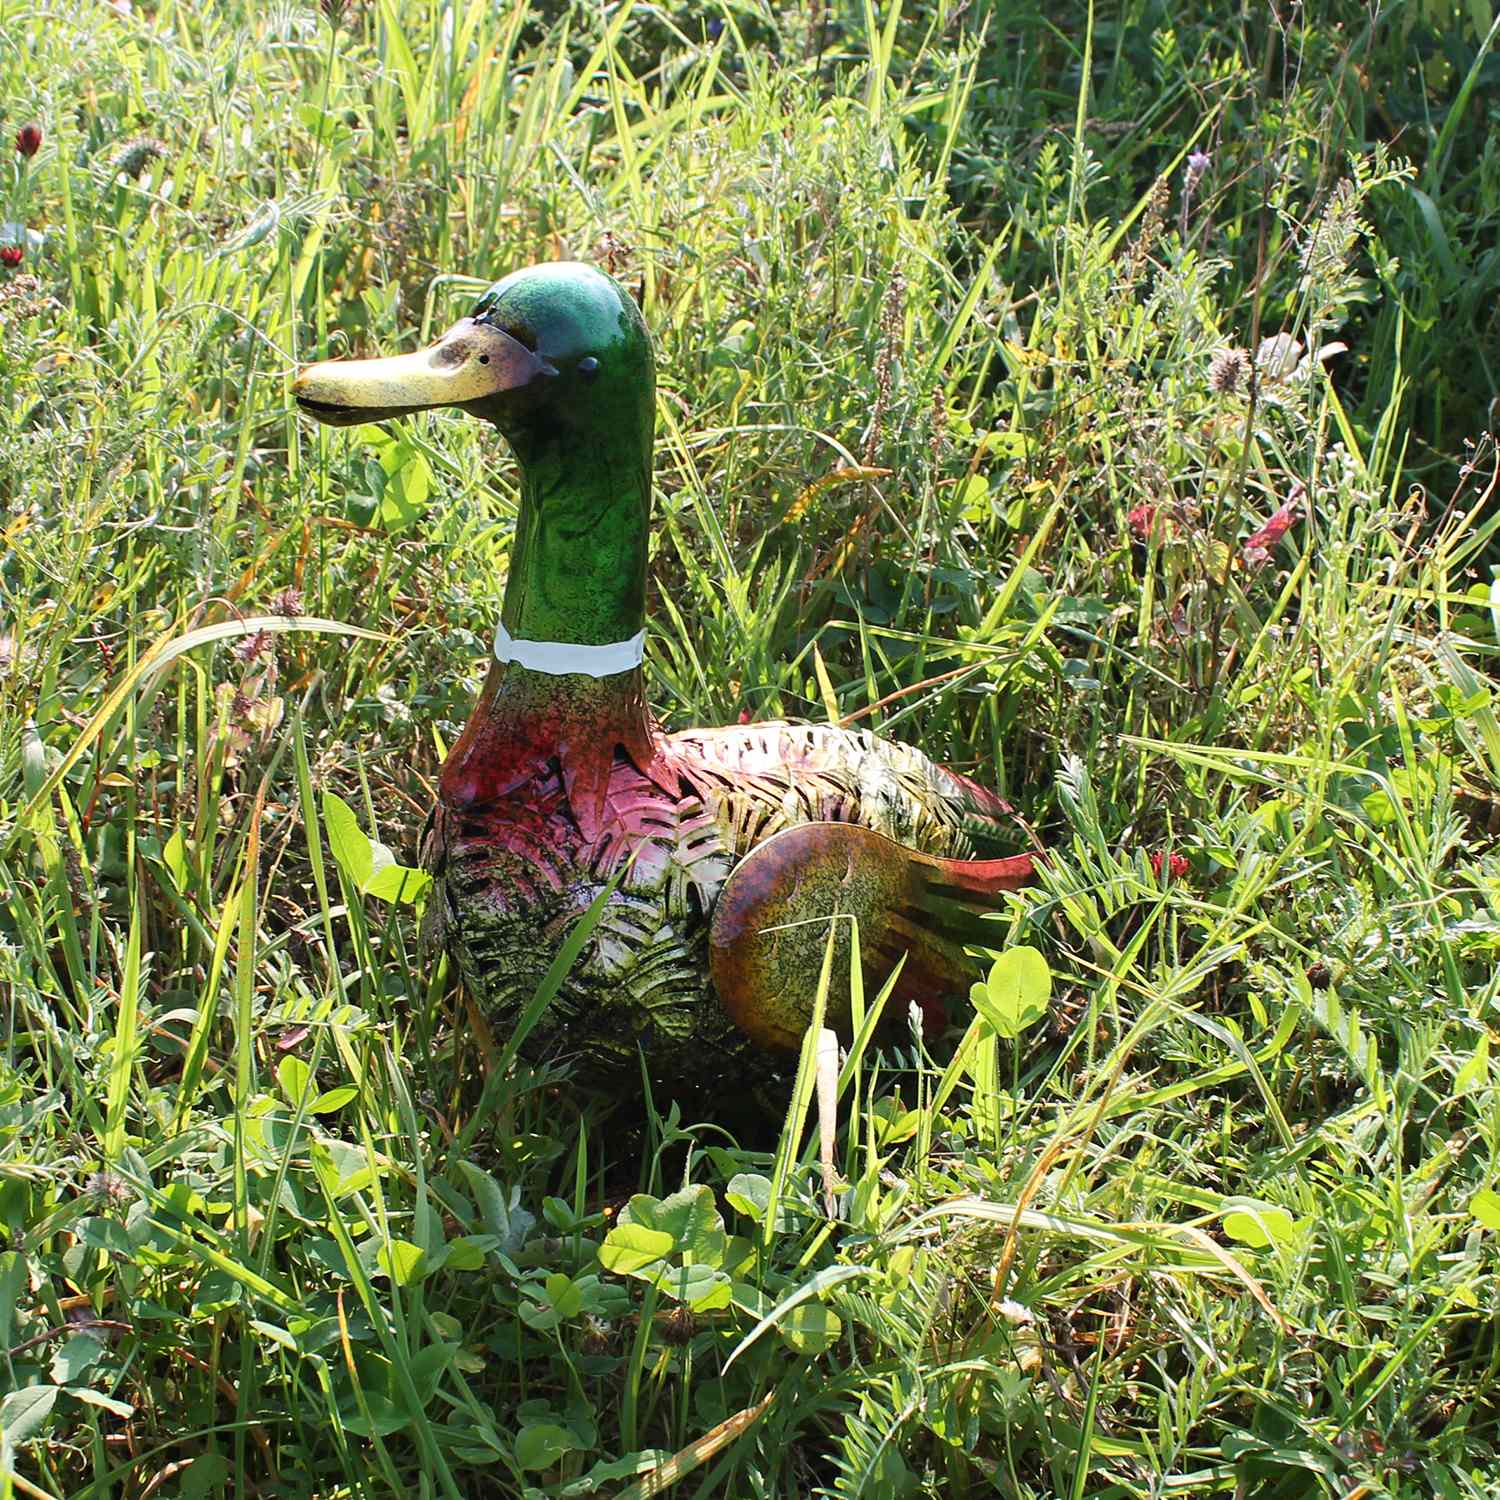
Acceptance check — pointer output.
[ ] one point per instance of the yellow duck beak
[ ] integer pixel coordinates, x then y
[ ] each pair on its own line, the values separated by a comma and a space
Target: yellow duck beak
471, 362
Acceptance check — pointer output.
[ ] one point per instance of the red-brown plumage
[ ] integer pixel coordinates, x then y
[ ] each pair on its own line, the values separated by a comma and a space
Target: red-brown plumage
540, 807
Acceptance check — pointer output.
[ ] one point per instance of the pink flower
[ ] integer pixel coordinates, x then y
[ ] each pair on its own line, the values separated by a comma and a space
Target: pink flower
10, 255
1256, 552
1142, 520
1176, 865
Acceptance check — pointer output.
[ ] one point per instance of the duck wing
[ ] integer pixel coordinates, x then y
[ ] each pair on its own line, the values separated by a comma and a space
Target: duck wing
768, 776
770, 926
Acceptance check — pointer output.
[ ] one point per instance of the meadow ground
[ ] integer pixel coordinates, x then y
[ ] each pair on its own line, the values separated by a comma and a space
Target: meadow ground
1098, 400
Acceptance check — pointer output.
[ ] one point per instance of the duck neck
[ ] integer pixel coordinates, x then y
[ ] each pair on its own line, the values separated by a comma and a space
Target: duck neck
566, 682
578, 564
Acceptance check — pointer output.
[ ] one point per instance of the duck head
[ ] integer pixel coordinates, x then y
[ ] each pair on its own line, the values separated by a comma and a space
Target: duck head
558, 358
555, 348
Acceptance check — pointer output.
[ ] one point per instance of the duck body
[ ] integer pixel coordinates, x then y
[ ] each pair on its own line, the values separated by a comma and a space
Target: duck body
727, 853
518, 867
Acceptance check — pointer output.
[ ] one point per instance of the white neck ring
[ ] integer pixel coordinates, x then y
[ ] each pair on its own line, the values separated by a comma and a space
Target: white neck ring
564, 658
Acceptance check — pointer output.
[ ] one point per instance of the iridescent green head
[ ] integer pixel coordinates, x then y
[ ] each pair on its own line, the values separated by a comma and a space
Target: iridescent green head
558, 358
595, 372
553, 349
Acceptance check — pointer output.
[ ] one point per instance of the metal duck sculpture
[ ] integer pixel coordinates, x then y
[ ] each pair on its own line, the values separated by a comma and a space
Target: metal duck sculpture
731, 846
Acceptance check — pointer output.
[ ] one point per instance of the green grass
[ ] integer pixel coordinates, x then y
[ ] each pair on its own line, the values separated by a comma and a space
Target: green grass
1226, 1220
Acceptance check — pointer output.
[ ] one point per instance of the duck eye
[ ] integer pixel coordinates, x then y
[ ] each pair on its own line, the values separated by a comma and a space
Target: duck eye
588, 367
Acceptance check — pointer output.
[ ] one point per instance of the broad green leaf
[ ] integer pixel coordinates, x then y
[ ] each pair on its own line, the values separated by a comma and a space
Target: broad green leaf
207, 1475
174, 857
401, 1261
1252, 1222
542, 1444
701, 1287
810, 1328
23, 1412
386, 1416
467, 1253
563, 1294
91, 1397
75, 1355
892, 1121
1476, 1071
627, 1248
351, 848
499, 1207
1016, 993
404, 498
395, 882
1485, 1206
334, 1099
293, 1075
749, 1193
12, 1283
427, 1366
688, 1216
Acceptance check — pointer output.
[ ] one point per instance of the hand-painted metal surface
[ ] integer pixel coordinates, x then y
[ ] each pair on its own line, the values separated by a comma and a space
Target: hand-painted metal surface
562, 780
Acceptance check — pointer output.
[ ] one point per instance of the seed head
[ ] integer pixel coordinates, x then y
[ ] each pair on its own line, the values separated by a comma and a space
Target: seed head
598, 1334
134, 154
679, 1326
29, 139
1227, 370
108, 1188
252, 647
892, 313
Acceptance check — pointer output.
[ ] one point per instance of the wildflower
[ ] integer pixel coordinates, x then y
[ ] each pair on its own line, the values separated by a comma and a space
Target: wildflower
29, 139
134, 154
715, 28
108, 1188
10, 255
1227, 371
1175, 865
678, 1326
1151, 227
288, 602
598, 1334
1142, 521
1256, 552
252, 647
1197, 164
